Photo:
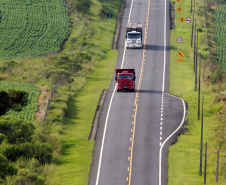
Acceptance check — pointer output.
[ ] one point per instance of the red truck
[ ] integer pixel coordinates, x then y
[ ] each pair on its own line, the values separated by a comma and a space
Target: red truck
125, 79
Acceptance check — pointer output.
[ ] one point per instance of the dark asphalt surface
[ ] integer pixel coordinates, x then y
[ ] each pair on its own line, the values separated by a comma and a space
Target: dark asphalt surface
136, 125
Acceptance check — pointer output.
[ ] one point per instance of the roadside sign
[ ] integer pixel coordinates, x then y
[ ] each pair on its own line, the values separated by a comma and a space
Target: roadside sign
179, 39
180, 54
179, 9
181, 19
109, 15
180, 60
188, 20
178, 1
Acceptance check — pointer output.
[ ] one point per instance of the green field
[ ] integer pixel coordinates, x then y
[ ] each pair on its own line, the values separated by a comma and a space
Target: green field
32, 27
220, 35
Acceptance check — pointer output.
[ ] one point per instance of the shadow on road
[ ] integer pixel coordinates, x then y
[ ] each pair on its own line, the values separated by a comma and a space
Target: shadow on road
150, 91
155, 47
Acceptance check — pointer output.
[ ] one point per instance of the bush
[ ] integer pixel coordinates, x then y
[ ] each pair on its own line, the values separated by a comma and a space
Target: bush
15, 130
42, 152
5, 168
26, 177
4, 102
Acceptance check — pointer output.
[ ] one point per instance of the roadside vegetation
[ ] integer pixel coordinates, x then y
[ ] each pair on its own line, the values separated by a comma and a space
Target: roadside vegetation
184, 155
57, 151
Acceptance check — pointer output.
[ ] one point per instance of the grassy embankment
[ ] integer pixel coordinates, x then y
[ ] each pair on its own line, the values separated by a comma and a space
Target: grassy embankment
184, 156
74, 164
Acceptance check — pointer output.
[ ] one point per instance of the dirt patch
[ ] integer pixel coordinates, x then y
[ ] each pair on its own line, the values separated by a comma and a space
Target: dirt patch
92, 135
42, 102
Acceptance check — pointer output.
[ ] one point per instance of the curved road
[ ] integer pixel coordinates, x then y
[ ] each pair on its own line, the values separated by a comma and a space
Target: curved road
134, 128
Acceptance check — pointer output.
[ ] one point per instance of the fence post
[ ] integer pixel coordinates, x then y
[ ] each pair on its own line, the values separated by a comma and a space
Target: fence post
196, 62
201, 142
217, 166
194, 47
199, 86
205, 164
192, 29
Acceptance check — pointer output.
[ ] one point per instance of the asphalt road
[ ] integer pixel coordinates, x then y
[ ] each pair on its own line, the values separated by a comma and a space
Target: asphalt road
136, 128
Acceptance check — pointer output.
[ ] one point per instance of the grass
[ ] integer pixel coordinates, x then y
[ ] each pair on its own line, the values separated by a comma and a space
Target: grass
184, 156
74, 165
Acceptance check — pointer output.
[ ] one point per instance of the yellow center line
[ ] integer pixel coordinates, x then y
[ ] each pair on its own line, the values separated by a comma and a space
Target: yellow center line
137, 95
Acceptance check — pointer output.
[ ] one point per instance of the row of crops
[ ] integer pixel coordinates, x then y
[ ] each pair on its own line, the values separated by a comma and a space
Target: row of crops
220, 35
32, 27
28, 112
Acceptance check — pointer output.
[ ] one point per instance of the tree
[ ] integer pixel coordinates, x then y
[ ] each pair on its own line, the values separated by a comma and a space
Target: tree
5, 168
15, 130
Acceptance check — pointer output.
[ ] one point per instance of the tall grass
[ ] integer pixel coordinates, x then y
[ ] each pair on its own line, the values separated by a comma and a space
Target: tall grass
184, 156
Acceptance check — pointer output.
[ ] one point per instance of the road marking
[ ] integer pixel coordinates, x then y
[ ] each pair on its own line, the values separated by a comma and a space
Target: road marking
109, 108
162, 145
163, 89
137, 96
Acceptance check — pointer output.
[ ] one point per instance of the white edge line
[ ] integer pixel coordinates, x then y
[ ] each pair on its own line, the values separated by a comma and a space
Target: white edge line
109, 108
160, 150
102, 145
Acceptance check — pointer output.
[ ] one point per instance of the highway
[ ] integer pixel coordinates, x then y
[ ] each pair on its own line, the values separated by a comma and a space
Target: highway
136, 128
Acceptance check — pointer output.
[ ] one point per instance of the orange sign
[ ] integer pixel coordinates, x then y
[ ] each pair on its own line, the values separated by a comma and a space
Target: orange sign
181, 19
180, 54
179, 9
180, 60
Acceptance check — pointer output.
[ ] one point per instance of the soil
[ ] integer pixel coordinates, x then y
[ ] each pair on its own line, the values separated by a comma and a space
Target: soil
42, 102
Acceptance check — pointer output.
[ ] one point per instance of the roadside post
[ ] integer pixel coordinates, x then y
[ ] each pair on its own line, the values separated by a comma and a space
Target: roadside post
180, 55
188, 21
109, 15
179, 9
181, 20
177, 2
179, 40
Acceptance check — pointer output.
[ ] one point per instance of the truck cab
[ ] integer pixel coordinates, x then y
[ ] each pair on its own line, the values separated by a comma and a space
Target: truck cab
125, 79
134, 35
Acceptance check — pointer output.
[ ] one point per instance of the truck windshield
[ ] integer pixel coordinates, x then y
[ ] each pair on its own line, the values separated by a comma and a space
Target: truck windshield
134, 35
129, 76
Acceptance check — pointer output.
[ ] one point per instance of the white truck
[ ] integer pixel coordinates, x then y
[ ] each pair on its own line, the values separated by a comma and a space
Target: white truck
134, 35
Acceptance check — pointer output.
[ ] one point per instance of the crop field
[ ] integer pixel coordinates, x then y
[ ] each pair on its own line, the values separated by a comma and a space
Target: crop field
32, 27
220, 35
28, 112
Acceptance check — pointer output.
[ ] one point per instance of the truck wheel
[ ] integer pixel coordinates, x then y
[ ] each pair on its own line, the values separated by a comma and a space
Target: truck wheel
117, 90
